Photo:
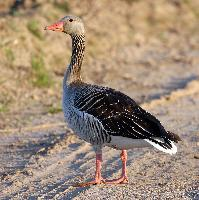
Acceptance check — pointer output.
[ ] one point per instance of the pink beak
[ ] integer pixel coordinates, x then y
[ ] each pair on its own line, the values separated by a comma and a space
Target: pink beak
59, 26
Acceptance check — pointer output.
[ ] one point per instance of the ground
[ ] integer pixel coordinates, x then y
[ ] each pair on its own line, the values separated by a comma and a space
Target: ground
147, 50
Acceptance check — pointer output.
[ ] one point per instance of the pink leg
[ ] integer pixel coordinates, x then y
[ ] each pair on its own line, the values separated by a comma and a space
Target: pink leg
123, 178
98, 177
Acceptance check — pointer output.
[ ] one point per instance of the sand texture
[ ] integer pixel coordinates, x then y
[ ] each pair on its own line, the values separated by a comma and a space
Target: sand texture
46, 164
148, 50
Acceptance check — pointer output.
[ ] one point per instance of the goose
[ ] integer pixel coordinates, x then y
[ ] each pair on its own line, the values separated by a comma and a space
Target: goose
103, 116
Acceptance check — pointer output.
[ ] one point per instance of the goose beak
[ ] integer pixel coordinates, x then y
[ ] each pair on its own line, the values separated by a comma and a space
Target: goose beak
59, 26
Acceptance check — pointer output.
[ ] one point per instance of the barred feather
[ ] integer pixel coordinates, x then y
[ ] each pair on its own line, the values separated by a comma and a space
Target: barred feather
97, 114
121, 116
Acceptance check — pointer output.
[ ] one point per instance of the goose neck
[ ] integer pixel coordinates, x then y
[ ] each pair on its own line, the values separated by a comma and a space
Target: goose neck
73, 73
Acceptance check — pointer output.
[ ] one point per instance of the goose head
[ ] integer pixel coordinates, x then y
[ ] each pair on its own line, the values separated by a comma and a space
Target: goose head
71, 25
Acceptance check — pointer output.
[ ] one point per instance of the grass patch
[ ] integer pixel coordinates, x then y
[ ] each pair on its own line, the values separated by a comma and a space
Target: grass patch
33, 27
41, 75
9, 54
3, 108
5, 100
131, 1
54, 109
62, 6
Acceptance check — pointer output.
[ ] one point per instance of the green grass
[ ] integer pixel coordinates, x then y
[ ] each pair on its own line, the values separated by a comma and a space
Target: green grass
5, 101
33, 27
9, 54
62, 6
131, 1
54, 109
3, 107
41, 75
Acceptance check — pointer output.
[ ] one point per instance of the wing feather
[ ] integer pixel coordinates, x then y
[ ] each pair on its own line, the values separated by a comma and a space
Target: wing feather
119, 114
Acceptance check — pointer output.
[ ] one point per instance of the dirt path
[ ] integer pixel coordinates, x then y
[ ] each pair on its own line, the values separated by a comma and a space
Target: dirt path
46, 164
147, 49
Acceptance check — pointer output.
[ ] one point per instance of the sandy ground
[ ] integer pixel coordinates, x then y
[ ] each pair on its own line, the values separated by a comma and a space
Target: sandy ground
45, 164
147, 49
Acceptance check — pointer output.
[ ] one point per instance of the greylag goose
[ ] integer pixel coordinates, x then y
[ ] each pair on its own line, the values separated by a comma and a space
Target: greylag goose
103, 116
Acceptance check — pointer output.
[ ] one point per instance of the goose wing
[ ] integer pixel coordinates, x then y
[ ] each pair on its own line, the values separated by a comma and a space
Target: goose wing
121, 116
118, 113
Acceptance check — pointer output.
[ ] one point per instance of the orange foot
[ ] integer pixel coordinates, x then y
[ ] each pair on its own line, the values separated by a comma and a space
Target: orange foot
94, 182
121, 180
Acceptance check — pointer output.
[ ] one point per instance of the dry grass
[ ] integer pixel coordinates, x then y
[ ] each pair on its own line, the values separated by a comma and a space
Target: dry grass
34, 27
41, 77
54, 109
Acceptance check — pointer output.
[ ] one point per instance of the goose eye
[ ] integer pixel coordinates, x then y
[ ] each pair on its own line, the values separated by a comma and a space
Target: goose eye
70, 20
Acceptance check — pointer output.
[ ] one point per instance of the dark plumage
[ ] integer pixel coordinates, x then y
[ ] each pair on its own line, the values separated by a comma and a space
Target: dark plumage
103, 116
120, 115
